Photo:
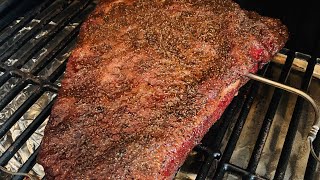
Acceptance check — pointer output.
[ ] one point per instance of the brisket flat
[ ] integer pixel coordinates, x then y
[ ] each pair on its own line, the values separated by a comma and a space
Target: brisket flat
145, 83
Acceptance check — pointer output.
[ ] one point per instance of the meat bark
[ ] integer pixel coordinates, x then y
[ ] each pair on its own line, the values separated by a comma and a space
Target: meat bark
146, 81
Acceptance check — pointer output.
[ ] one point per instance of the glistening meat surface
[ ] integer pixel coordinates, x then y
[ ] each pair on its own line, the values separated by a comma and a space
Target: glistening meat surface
146, 81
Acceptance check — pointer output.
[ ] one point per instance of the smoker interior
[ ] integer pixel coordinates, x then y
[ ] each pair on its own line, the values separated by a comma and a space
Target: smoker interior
261, 135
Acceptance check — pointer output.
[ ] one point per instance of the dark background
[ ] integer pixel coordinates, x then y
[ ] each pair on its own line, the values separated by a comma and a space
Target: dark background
301, 17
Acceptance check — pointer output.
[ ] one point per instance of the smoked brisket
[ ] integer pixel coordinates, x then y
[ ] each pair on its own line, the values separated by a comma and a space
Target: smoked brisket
146, 81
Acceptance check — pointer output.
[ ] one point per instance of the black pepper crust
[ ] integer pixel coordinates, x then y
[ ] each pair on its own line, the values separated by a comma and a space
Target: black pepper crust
143, 81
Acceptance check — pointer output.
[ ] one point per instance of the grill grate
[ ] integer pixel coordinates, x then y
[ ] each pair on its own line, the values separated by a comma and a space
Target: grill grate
247, 95
33, 53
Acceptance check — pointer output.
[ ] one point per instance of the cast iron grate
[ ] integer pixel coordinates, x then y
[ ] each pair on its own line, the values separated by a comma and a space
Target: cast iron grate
33, 52
34, 48
245, 100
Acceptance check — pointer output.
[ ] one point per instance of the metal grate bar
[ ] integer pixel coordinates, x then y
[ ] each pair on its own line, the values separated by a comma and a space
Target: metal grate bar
218, 131
13, 93
242, 172
263, 134
48, 32
27, 166
236, 131
4, 78
21, 22
293, 126
61, 49
36, 80
9, 153
18, 113
59, 71
205, 167
26, 33
46, 54
210, 156
15, 12
64, 41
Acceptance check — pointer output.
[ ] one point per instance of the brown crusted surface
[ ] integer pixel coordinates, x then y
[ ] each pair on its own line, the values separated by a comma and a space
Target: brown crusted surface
146, 81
